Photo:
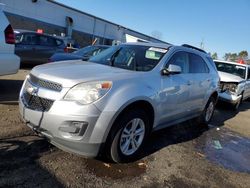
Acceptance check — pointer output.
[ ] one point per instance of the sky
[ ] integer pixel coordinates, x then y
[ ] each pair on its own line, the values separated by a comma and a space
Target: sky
222, 25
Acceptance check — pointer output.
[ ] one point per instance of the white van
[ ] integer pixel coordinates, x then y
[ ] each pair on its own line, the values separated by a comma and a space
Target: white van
9, 62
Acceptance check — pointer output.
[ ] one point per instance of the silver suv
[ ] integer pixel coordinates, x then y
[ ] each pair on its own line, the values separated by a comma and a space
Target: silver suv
112, 103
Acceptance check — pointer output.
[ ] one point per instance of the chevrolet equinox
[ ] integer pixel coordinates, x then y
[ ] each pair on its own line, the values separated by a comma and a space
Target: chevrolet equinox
112, 103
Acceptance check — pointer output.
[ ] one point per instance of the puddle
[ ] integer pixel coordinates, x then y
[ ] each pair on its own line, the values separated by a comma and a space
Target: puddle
116, 171
226, 148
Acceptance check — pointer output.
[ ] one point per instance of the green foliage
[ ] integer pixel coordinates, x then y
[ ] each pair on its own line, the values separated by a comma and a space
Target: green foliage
214, 56
243, 54
234, 56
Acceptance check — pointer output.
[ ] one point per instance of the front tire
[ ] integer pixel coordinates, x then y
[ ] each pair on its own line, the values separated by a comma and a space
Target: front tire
127, 136
237, 105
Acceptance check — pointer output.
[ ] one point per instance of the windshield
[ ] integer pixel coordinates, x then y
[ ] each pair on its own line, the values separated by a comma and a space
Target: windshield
237, 70
131, 57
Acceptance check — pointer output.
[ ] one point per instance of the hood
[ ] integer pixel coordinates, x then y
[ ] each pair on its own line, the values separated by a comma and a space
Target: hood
64, 56
227, 77
70, 73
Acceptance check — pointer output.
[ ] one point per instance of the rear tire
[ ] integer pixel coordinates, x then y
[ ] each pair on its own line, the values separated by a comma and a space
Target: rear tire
127, 136
208, 111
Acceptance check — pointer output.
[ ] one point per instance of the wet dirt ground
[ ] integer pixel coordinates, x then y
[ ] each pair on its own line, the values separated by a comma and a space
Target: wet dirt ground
186, 155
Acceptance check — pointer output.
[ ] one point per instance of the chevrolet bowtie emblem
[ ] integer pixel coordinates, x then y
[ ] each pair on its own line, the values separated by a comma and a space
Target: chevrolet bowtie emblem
32, 90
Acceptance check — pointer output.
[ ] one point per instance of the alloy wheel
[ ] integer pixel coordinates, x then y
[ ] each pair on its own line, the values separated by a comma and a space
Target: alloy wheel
132, 136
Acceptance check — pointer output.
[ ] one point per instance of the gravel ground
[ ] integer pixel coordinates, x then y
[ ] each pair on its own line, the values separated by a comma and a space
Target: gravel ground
186, 155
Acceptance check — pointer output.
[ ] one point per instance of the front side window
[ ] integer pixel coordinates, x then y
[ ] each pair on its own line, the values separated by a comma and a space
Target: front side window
180, 59
131, 57
237, 70
197, 64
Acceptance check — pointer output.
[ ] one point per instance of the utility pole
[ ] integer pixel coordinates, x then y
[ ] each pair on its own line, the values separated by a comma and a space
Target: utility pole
202, 44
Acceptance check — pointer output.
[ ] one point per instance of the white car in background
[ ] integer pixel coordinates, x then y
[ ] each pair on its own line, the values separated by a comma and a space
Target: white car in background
234, 82
9, 62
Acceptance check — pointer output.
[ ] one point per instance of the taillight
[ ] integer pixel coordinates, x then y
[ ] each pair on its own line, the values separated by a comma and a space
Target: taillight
66, 50
9, 35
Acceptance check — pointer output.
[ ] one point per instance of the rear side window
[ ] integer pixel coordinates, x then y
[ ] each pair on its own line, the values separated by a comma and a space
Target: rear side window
180, 59
47, 41
197, 64
28, 39
211, 61
59, 42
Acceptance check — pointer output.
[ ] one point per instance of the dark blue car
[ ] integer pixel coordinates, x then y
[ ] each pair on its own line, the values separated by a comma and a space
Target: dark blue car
83, 53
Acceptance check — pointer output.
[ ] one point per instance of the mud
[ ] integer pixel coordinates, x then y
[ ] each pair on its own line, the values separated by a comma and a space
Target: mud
226, 148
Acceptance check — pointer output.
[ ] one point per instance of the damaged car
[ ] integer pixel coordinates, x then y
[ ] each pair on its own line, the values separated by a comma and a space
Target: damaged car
234, 82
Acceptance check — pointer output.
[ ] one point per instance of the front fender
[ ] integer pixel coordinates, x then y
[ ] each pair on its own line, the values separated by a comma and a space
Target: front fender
115, 103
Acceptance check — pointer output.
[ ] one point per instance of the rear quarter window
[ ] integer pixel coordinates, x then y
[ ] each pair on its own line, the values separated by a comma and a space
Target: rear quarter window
197, 64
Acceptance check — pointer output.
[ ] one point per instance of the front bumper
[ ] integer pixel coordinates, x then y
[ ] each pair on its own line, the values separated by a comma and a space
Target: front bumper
229, 97
56, 125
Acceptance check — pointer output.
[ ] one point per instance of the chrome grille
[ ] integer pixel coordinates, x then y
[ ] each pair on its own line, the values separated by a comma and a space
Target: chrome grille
36, 103
45, 84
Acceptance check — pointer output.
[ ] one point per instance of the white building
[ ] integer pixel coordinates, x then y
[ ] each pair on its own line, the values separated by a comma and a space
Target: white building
55, 18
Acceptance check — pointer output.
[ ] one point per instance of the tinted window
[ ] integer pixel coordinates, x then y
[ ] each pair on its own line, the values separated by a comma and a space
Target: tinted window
30, 39
47, 41
180, 59
59, 42
19, 38
197, 64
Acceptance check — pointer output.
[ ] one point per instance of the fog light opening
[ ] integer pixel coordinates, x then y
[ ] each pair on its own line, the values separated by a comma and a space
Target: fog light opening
75, 128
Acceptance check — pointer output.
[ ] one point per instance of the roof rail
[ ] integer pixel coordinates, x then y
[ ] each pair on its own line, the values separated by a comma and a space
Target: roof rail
193, 47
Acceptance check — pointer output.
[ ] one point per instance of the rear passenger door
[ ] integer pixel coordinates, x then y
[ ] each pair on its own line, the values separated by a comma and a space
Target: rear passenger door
199, 82
25, 46
46, 48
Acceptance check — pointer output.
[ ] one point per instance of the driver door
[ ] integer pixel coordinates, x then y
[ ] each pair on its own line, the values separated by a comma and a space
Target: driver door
175, 90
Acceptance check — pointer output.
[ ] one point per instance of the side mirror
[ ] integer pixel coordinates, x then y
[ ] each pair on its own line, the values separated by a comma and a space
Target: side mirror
172, 69
85, 58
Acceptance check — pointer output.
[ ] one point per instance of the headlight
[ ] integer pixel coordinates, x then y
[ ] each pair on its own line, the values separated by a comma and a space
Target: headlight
230, 87
86, 93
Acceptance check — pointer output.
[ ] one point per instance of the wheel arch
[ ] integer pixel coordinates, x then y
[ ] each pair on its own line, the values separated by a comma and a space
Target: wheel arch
140, 103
